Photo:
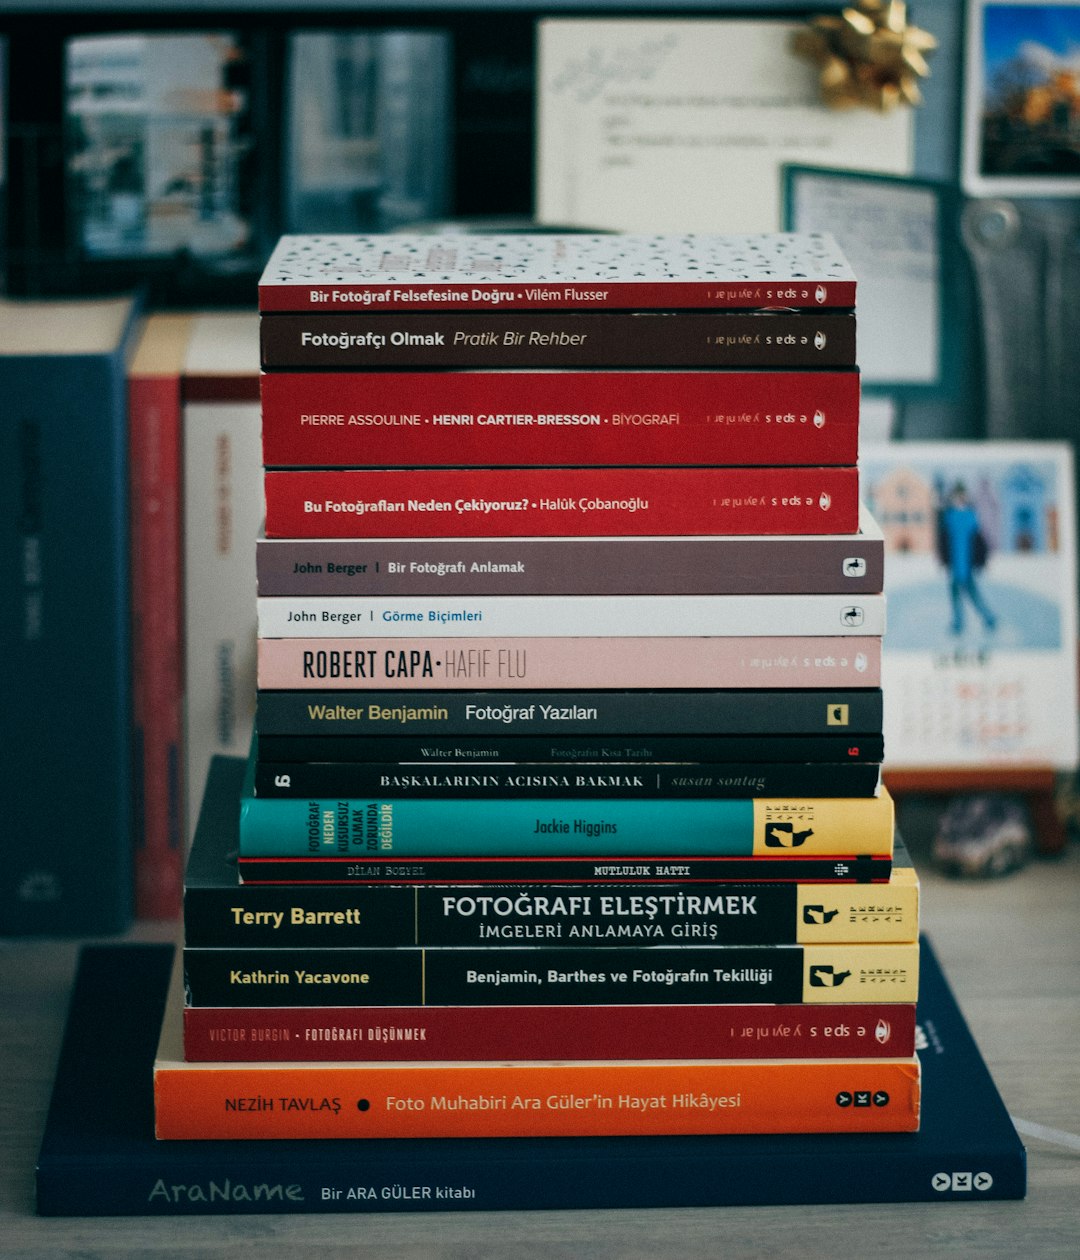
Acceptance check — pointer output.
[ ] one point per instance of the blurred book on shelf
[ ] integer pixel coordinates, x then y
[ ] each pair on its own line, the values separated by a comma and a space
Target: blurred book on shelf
368, 127
156, 133
66, 783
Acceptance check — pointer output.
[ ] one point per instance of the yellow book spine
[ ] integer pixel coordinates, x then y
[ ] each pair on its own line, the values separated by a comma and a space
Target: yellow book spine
861, 973
859, 912
826, 824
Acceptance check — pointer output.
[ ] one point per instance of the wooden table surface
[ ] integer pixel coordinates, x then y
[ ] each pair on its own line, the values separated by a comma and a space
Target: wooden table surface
1011, 950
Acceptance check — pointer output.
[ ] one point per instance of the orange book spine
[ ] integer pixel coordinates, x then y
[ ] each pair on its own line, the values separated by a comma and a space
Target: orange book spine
527, 1099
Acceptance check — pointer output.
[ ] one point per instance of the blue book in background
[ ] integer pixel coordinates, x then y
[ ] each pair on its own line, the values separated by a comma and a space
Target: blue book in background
65, 694
99, 1156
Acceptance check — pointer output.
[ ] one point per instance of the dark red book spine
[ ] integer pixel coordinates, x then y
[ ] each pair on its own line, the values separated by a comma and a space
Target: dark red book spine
154, 479
401, 419
466, 1033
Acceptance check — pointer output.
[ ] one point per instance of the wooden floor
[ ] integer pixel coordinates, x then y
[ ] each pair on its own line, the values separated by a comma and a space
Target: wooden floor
1011, 950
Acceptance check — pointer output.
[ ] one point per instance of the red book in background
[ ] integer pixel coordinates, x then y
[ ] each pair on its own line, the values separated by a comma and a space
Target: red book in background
154, 444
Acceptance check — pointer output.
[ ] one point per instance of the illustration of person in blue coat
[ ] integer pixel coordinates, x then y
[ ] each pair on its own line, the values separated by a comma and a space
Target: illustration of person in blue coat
962, 548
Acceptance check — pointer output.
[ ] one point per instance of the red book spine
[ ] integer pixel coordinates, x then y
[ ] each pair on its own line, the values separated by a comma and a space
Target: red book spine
392, 1034
346, 295
386, 419
563, 502
154, 447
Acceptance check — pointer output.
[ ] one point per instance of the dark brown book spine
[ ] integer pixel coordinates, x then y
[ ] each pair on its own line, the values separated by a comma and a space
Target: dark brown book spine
689, 339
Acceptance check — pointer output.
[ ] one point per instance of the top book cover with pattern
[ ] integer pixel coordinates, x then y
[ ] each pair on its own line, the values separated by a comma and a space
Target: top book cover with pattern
556, 271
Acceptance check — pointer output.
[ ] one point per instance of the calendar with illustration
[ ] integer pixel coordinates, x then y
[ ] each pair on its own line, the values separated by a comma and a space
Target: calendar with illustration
979, 655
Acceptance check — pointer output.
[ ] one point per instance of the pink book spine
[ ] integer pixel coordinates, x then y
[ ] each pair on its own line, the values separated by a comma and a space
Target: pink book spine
541, 663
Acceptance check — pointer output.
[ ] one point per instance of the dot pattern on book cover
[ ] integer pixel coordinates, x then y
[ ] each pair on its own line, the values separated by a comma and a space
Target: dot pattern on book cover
556, 258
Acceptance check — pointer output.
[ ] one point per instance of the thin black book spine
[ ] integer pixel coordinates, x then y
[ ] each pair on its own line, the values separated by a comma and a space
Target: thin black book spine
479, 780
441, 749
659, 870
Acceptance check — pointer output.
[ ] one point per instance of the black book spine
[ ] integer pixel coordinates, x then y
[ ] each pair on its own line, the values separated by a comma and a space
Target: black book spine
481, 781
334, 917
730, 712
661, 871
503, 976
438, 749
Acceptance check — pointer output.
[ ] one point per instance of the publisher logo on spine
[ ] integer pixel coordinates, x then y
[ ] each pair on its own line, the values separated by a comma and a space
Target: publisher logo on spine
964, 1182
818, 916
825, 976
781, 835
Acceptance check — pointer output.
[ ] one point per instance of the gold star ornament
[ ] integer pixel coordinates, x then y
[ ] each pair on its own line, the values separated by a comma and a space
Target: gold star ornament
868, 55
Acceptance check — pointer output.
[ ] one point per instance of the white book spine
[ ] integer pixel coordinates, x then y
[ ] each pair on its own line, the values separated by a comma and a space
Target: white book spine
575, 615
223, 510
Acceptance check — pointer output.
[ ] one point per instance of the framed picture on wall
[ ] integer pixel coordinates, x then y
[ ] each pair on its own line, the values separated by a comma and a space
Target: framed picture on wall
979, 660
891, 231
1022, 99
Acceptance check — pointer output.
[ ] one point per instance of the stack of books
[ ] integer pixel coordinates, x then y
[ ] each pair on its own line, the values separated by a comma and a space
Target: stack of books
560, 872
563, 815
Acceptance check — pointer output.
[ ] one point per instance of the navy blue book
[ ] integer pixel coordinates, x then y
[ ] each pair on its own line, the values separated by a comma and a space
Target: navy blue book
99, 1156
65, 719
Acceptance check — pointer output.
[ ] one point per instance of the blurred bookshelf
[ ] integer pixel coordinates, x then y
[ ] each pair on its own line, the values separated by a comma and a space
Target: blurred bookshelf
477, 112
445, 96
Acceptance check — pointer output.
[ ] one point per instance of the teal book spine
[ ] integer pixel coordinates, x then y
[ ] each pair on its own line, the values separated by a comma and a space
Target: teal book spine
383, 827
370, 828
67, 779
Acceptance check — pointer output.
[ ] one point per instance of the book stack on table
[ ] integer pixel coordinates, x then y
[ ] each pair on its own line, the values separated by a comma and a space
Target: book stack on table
560, 873
568, 739
477, 733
